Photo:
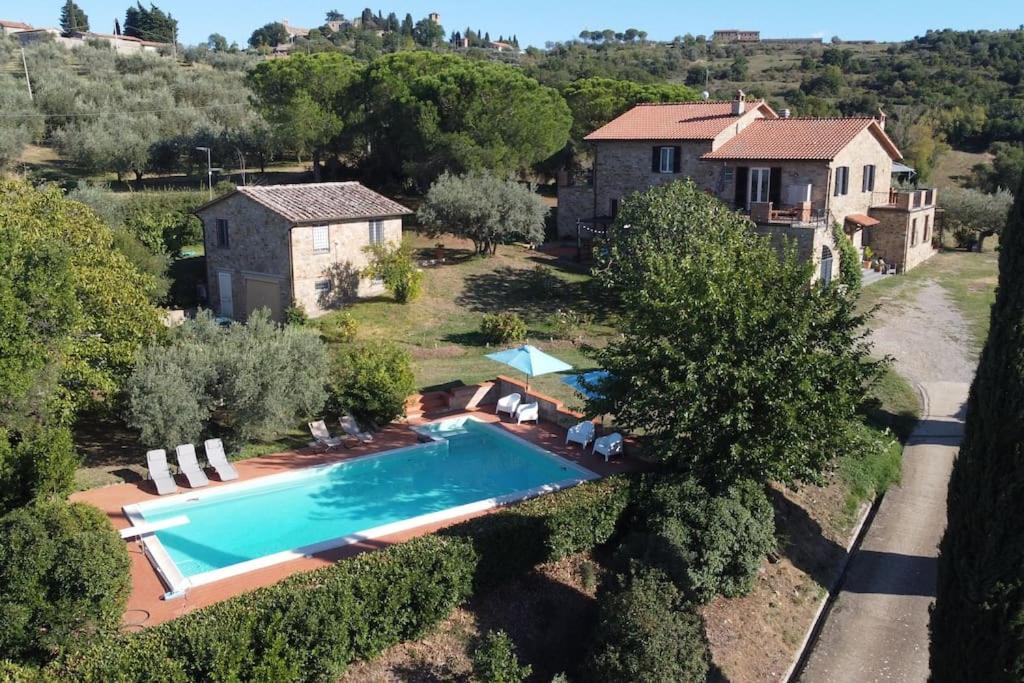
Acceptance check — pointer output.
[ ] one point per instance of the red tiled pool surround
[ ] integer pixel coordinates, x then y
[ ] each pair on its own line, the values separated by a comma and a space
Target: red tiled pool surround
145, 604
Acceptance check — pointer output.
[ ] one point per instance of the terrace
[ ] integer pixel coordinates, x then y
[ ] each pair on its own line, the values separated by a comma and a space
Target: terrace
904, 200
146, 606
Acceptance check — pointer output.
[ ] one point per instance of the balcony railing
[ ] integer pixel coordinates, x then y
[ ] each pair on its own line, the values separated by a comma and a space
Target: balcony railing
906, 200
797, 215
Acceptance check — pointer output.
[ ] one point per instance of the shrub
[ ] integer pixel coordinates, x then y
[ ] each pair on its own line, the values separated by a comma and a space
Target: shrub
393, 263
707, 544
372, 382
296, 315
41, 465
511, 541
259, 377
502, 328
338, 328
646, 632
308, 627
63, 574
495, 661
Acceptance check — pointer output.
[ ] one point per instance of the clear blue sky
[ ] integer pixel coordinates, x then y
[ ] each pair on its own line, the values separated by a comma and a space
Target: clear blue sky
537, 21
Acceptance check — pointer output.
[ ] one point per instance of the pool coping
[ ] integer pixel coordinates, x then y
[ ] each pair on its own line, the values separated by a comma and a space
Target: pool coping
178, 585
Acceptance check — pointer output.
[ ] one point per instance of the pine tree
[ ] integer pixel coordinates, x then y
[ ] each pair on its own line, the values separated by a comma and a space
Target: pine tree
407, 25
978, 621
72, 18
515, 40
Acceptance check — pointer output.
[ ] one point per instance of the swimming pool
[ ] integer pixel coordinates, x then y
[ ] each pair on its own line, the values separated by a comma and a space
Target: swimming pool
466, 466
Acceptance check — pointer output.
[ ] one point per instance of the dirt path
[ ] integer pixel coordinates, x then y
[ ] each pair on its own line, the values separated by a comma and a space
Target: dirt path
927, 337
877, 628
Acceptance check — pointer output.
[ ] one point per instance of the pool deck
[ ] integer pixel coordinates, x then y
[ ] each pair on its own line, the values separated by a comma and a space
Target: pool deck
146, 606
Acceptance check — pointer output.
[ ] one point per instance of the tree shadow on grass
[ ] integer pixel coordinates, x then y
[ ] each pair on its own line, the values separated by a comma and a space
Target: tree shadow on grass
803, 542
532, 293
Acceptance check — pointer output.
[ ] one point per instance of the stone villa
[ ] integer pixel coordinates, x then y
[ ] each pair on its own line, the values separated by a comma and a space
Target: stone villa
794, 177
275, 245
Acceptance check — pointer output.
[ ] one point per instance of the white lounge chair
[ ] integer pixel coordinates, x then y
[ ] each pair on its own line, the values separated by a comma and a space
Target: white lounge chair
609, 445
527, 412
323, 437
582, 433
189, 465
219, 460
508, 404
160, 472
351, 427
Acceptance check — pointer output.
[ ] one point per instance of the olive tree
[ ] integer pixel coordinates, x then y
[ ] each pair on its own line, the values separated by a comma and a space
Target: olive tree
484, 209
972, 213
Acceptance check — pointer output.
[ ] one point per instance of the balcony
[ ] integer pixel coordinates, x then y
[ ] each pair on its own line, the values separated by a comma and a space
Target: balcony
801, 215
904, 200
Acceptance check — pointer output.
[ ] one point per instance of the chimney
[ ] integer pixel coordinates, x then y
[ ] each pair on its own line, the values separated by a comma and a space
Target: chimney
739, 105
784, 114
881, 118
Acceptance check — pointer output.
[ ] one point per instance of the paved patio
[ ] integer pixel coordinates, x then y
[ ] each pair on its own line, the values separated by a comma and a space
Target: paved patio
145, 604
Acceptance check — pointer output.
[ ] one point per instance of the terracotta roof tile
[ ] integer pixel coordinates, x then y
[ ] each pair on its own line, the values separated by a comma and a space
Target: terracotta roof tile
312, 202
14, 24
675, 121
815, 139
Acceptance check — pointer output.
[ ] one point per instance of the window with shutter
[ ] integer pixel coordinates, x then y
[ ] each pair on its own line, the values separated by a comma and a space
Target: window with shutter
222, 233
842, 181
667, 163
321, 239
868, 183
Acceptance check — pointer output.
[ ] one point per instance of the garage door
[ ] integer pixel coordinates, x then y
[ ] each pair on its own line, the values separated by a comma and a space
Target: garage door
263, 294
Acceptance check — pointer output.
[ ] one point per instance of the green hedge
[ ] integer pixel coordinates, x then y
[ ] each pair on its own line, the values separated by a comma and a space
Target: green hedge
311, 626
512, 541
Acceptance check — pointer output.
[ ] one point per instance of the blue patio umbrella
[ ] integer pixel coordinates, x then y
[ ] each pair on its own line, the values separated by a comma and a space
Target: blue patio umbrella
592, 378
529, 360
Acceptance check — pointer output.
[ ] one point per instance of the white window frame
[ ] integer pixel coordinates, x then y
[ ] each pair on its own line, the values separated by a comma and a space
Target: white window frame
666, 160
321, 239
762, 187
376, 232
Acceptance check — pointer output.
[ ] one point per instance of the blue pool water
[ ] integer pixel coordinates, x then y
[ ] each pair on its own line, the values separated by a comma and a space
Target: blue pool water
475, 462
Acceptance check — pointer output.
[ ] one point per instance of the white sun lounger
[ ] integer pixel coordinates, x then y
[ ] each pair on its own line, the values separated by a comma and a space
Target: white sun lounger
218, 460
323, 437
160, 472
527, 412
609, 445
189, 466
508, 404
582, 433
351, 427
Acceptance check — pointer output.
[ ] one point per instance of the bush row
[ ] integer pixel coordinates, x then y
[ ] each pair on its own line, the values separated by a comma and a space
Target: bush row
311, 626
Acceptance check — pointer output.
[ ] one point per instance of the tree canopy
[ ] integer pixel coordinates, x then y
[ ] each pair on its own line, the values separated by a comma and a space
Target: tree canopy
74, 311
596, 101
732, 363
72, 18
428, 112
974, 212
976, 625
483, 208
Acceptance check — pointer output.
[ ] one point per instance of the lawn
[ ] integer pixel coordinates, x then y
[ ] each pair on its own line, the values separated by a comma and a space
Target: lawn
441, 328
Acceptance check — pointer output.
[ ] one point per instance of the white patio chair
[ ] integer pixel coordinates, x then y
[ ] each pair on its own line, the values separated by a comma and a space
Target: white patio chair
609, 445
189, 466
582, 433
508, 404
351, 427
160, 472
322, 436
219, 460
527, 412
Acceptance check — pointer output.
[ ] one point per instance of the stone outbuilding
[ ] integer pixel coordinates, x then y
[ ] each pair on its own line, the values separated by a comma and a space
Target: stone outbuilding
277, 245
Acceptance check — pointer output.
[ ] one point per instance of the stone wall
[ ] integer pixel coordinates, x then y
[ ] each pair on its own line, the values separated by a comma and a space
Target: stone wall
622, 168
864, 149
257, 246
892, 239
340, 266
574, 202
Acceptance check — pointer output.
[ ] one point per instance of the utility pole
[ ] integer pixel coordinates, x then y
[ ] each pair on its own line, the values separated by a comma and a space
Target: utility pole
209, 170
28, 83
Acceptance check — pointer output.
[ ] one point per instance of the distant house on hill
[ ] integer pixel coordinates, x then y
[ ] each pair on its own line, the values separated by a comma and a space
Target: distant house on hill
732, 35
8, 27
794, 177
270, 246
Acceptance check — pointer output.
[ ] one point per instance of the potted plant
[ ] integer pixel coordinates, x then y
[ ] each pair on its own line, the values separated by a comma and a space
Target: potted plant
868, 253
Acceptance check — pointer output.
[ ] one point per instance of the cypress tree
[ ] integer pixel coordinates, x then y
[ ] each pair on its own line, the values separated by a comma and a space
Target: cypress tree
978, 621
72, 18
